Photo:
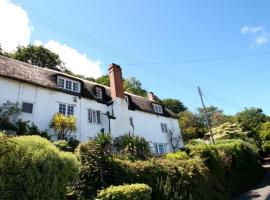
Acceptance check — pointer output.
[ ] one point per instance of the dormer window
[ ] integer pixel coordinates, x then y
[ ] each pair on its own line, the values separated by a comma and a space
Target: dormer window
61, 83
68, 84
157, 108
98, 92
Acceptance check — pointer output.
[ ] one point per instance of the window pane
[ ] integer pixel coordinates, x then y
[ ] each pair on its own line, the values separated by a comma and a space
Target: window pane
89, 115
68, 85
61, 82
98, 93
94, 116
27, 107
75, 87
62, 108
70, 110
98, 117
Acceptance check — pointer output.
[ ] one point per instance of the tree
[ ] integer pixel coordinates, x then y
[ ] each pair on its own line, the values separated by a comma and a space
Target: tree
174, 140
174, 105
104, 80
134, 86
265, 131
63, 125
39, 56
229, 131
104, 142
192, 126
215, 115
251, 119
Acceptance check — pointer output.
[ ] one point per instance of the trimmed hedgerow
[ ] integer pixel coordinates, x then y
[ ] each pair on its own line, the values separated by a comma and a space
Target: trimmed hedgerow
211, 172
126, 192
234, 163
35, 169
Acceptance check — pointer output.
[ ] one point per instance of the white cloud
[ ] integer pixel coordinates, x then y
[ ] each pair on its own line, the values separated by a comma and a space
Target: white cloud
16, 28
251, 29
262, 39
74, 61
261, 36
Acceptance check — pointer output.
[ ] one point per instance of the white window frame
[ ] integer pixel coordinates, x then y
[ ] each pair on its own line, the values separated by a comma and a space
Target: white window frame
98, 92
164, 127
94, 116
69, 109
157, 108
160, 148
63, 83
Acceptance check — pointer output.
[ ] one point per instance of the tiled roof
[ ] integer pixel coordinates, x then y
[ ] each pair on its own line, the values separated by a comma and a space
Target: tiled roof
43, 77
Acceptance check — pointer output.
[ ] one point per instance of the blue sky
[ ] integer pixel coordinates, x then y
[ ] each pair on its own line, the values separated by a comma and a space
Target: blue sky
167, 44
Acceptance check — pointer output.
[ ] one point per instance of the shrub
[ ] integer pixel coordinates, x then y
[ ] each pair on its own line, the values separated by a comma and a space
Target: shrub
230, 161
63, 125
133, 147
179, 155
61, 144
95, 167
35, 169
210, 172
266, 147
126, 192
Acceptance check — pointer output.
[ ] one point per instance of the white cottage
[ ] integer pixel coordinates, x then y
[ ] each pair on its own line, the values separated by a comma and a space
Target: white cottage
44, 92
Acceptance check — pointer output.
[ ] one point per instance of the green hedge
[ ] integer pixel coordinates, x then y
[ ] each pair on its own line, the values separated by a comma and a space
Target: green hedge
33, 168
211, 172
126, 192
234, 163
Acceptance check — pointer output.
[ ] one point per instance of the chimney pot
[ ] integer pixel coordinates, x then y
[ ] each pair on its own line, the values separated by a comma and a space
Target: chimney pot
116, 81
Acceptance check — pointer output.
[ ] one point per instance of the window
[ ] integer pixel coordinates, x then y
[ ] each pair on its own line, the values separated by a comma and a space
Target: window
164, 128
99, 93
157, 108
66, 109
68, 85
94, 116
75, 87
27, 107
62, 108
70, 110
61, 82
160, 148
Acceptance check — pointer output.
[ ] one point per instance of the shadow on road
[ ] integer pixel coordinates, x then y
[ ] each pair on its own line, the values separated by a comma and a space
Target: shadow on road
262, 189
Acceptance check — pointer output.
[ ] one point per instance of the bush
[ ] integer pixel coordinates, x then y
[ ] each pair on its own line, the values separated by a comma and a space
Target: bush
266, 147
230, 161
133, 147
179, 155
61, 144
126, 192
35, 169
210, 172
96, 165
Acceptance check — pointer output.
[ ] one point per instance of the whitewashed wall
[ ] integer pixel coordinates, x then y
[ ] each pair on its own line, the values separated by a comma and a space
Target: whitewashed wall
46, 102
148, 126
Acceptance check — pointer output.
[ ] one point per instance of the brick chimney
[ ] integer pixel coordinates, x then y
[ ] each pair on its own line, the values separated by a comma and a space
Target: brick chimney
116, 81
151, 96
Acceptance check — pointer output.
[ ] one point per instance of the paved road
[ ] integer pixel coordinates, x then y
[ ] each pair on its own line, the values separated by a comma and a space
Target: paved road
262, 190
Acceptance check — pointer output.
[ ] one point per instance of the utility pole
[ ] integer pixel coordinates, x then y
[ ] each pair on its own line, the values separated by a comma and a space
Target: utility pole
206, 116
